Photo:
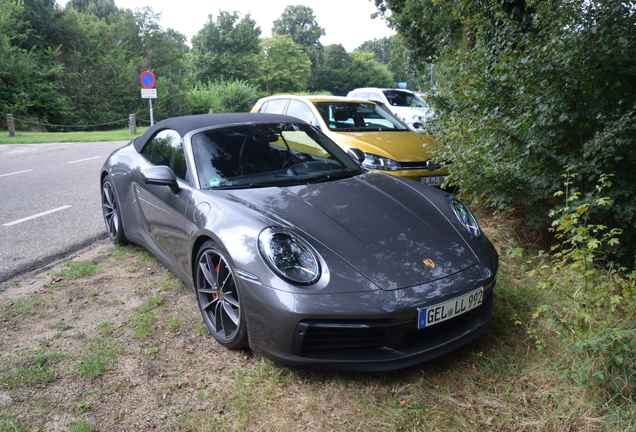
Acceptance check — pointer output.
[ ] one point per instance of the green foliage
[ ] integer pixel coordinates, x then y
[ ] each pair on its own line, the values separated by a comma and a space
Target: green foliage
284, 66
222, 97
300, 24
98, 357
35, 370
11, 424
392, 53
381, 48
29, 82
366, 72
333, 71
100, 8
81, 65
77, 269
226, 49
38, 25
106, 327
528, 90
144, 322
45, 137
341, 72
429, 27
81, 425
165, 55
595, 310
94, 61
18, 307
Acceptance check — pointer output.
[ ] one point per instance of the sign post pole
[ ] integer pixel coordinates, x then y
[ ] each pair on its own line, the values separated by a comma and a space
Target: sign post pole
148, 82
10, 125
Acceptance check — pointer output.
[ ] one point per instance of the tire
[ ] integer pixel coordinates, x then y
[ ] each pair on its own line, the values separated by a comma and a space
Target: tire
218, 297
112, 212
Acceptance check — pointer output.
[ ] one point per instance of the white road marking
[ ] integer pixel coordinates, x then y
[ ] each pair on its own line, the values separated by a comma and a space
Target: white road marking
83, 160
36, 216
14, 173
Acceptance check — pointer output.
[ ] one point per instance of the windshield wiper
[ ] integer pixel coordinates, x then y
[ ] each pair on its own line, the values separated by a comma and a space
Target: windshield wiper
238, 186
332, 177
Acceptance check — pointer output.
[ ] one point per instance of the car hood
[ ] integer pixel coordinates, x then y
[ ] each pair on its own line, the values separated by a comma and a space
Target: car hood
383, 227
401, 146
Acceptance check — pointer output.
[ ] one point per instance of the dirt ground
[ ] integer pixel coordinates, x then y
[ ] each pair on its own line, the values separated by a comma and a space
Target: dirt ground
122, 349
118, 344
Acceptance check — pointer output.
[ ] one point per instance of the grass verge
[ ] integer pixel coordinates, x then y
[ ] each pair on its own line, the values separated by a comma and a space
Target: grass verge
133, 356
62, 137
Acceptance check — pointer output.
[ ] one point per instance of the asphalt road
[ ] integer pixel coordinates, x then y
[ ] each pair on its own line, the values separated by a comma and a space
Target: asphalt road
50, 202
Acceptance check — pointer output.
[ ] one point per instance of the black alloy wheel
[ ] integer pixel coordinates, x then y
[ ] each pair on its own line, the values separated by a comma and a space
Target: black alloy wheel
219, 299
112, 215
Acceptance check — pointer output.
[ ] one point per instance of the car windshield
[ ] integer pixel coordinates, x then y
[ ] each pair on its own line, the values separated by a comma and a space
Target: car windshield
404, 99
261, 155
346, 116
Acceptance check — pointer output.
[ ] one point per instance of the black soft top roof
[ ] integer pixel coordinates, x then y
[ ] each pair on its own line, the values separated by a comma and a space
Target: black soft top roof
185, 124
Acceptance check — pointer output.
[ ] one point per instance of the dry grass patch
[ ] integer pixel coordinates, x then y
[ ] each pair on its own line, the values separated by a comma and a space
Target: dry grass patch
73, 358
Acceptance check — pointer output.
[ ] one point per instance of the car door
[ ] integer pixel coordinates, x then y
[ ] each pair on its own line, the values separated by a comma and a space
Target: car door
164, 210
301, 110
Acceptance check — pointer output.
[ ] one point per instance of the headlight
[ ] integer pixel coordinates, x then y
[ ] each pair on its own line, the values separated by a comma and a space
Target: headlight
380, 163
289, 256
464, 216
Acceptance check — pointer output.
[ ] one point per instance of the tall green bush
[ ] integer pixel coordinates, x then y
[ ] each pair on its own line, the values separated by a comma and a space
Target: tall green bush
594, 307
535, 88
222, 97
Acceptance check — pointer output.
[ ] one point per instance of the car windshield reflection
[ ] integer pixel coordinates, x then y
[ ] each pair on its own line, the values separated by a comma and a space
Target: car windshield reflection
404, 99
358, 117
263, 155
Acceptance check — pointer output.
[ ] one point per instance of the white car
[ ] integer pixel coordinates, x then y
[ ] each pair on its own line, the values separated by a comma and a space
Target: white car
406, 105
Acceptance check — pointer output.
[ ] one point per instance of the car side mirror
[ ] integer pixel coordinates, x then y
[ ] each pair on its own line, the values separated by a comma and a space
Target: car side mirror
356, 154
160, 176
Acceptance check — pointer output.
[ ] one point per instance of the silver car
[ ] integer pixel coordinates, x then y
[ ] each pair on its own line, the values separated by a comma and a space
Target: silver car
404, 104
294, 250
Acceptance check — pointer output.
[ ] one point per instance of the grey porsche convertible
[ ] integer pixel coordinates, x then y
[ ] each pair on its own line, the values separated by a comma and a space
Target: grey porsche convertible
294, 250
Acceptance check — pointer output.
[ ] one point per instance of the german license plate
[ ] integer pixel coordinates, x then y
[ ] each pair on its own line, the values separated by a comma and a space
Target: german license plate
432, 180
443, 311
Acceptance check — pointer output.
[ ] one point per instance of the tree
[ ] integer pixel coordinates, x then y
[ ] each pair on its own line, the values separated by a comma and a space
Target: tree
366, 72
164, 53
38, 23
342, 72
425, 25
381, 48
333, 72
28, 77
226, 49
390, 52
105, 9
532, 88
284, 66
300, 24
223, 97
101, 73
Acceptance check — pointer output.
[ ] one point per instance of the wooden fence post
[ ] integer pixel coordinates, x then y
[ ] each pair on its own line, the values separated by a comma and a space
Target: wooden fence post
133, 123
10, 125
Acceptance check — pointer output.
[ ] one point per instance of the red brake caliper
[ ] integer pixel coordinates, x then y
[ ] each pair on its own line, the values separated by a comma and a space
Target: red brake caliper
214, 295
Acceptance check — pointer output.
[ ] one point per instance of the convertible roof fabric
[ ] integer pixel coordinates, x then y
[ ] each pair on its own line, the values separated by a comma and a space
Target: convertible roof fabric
185, 124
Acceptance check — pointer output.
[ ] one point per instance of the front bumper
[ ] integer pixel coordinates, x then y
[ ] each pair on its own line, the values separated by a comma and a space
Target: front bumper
415, 174
354, 331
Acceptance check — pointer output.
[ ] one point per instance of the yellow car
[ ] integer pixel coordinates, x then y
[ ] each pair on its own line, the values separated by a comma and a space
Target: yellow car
384, 142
